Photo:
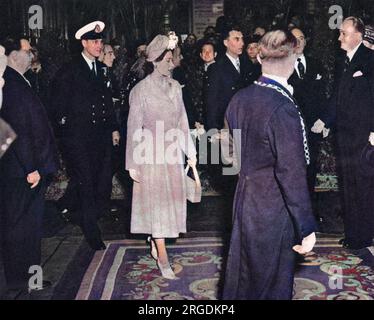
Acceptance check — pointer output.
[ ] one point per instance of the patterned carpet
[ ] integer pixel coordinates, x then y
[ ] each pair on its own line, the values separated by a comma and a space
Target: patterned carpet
125, 271
333, 273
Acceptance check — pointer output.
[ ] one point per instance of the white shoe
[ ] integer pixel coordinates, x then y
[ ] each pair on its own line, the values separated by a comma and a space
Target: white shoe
166, 271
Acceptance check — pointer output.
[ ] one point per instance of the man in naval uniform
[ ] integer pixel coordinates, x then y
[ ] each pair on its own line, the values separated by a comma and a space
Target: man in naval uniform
82, 108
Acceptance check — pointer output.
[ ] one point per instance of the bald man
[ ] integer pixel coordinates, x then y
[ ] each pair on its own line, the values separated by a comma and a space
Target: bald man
351, 113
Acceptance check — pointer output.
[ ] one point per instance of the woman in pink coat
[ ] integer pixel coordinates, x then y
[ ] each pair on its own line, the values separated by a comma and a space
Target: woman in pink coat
158, 138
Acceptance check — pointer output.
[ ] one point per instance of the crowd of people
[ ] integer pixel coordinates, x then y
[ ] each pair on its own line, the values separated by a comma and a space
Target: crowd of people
95, 113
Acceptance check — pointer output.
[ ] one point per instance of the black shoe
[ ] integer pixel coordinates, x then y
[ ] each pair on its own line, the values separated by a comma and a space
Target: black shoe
46, 284
356, 246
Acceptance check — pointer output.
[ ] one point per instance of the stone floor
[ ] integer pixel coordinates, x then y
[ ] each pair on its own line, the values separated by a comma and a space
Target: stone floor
211, 217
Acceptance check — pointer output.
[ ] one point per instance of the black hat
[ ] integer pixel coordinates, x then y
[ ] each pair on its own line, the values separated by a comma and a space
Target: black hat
91, 31
367, 160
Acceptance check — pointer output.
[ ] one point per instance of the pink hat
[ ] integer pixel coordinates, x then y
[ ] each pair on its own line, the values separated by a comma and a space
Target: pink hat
157, 46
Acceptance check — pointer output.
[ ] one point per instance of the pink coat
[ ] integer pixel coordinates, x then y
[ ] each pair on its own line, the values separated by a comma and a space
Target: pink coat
159, 200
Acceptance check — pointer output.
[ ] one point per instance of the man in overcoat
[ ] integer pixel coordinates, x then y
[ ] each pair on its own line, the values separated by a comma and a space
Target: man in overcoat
272, 211
24, 169
351, 113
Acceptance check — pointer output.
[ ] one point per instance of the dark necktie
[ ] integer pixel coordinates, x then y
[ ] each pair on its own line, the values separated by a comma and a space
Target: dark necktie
93, 71
301, 69
346, 63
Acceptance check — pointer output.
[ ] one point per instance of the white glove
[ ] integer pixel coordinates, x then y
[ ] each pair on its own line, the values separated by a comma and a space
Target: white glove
318, 126
134, 175
371, 138
325, 132
306, 245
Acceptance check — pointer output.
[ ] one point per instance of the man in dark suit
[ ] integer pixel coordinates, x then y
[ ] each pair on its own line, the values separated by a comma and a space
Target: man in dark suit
197, 78
24, 169
352, 112
227, 76
309, 92
7, 135
208, 55
82, 108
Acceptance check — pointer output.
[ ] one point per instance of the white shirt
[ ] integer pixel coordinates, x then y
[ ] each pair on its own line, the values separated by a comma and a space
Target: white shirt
303, 61
206, 65
235, 61
89, 62
350, 54
280, 80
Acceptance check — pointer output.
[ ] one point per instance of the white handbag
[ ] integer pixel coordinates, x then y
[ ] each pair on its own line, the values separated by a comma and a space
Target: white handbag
193, 186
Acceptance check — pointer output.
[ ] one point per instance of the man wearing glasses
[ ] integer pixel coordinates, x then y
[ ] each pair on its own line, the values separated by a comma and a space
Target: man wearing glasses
24, 168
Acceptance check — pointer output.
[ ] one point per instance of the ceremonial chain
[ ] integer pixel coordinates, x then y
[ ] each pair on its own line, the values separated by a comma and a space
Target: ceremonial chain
305, 140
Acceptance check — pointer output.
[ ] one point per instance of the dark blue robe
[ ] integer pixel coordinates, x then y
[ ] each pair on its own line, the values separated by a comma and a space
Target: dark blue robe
272, 209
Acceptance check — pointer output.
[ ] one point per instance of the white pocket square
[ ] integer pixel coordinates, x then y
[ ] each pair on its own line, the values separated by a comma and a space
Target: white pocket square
358, 74
319, 77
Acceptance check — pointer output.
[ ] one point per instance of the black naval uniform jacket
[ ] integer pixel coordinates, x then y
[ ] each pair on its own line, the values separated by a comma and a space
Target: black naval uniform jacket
81, 103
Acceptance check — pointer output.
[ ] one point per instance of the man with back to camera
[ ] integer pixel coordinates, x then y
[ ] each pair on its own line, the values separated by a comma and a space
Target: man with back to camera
272, 217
